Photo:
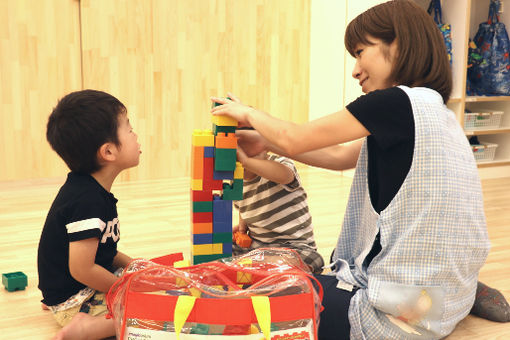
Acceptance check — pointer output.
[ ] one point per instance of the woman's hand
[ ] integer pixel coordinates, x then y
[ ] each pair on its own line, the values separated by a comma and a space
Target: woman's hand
234, 109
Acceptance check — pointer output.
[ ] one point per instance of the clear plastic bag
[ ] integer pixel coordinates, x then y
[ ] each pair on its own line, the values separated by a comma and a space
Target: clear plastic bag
268, 292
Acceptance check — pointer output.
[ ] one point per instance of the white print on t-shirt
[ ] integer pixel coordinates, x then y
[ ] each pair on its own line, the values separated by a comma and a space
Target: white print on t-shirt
112, 230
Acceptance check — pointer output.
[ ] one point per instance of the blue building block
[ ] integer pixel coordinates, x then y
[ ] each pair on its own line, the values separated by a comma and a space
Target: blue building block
227, 249
223, 175
208, 151
202, 238
14, 281
222, 210
221, 227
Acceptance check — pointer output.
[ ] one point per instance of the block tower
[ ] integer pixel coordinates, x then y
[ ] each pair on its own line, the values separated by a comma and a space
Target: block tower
216, 180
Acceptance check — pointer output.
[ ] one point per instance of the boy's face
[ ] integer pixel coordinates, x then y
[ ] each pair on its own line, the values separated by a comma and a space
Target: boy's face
129, 151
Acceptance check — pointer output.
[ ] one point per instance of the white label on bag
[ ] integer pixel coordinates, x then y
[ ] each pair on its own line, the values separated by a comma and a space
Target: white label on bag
299, 333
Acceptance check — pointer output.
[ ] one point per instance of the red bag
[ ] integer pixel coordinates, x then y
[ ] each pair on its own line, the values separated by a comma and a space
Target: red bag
267, 292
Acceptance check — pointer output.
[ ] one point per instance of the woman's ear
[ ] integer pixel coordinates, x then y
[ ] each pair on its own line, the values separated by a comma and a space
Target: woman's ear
106, 152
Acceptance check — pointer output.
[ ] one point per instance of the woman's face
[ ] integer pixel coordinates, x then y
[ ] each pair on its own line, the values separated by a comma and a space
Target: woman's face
374, 65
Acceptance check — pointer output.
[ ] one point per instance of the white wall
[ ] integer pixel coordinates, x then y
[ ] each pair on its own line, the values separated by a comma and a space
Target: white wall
331, 84
327, 52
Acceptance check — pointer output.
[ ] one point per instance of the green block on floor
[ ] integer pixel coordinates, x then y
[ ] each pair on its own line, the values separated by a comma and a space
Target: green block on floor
202, 206
16, 281
222, 237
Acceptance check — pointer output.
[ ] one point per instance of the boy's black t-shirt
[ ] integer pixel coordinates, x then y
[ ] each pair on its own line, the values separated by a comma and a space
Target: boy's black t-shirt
388, 116
83, 209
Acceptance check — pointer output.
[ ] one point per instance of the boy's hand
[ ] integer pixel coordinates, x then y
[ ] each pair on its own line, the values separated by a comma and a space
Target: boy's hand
251, 142
241, 155
241, 227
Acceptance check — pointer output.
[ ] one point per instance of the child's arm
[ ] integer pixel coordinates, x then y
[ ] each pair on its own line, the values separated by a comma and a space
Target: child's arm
121, 260
335, 157
273, 171
83, 268
241, 227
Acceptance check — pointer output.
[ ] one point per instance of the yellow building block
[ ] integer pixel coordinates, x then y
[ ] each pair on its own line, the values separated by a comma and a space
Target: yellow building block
239, 171
223, 121
244, 277
217, 248
195, 292
196, 184
202, 138
179, 282
202, 249
181, 264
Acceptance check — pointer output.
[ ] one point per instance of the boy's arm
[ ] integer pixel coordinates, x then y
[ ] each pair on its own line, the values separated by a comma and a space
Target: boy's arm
121, 260
241, 227
271, 170
335, 157
83, 268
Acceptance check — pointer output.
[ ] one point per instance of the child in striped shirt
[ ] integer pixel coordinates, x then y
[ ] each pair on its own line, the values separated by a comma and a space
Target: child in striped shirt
274, 209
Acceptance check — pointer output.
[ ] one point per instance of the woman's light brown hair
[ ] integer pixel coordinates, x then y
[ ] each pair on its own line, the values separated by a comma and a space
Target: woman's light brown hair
421, 58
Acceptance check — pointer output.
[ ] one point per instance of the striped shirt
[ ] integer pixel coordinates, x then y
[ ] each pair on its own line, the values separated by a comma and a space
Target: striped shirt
277, 213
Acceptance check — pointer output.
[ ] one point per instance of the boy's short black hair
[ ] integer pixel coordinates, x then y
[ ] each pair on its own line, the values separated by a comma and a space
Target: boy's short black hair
81, 122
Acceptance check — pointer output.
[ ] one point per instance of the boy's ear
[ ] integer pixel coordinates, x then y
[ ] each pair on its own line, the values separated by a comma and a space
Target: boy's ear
107, 152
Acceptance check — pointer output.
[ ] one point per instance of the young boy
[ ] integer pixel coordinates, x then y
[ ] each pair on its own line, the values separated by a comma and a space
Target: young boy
274, 208
77, 254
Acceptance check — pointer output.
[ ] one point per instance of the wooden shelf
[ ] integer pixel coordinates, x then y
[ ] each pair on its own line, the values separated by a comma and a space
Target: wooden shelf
454, 100
487, 131
493, 163
473, 99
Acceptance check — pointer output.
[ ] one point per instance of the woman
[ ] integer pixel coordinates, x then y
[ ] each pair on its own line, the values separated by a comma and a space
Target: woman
414, 235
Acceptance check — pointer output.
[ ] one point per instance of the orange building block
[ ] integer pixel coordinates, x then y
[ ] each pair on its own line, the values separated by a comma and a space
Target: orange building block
242, 240
197, 162
202, 228
226, 141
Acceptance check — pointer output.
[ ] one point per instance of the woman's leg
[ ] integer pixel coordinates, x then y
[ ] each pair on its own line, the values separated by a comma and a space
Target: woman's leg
334, 320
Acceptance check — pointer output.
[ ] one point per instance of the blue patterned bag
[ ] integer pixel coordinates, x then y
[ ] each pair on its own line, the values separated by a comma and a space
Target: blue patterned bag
488, 58
446, 31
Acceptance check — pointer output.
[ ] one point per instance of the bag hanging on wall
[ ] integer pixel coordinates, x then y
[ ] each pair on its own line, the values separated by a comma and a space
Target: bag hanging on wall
267, 293
488, 57
446, 31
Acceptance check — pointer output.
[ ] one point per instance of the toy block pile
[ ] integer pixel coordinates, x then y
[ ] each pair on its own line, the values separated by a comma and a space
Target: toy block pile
216, 180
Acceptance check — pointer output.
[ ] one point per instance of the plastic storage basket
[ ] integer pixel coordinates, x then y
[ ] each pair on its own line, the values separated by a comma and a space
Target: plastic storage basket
482, 120
484, 152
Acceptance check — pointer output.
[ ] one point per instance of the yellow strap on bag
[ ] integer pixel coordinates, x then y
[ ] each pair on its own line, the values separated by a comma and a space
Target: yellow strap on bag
262, 310
182, 310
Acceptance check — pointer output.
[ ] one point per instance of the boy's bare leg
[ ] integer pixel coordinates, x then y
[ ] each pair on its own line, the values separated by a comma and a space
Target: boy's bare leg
87, 327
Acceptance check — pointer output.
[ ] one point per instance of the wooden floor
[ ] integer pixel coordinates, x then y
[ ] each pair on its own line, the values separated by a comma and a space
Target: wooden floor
155, 221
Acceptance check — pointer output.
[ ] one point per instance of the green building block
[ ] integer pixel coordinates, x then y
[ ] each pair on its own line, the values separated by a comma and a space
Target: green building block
225, 159
222, 237
14, 281
207, 258
225, 129
202, 206
199, 328
233, 192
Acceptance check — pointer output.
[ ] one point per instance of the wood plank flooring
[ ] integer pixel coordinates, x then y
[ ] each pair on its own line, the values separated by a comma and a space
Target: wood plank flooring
155, 221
